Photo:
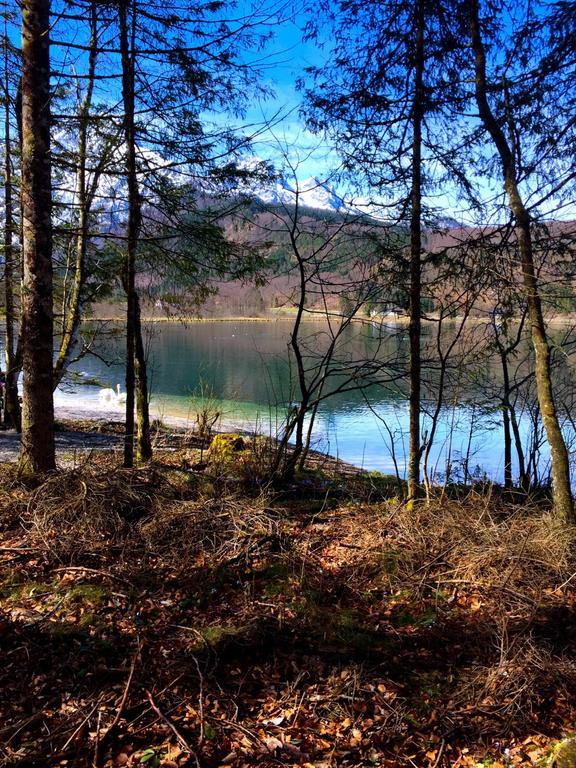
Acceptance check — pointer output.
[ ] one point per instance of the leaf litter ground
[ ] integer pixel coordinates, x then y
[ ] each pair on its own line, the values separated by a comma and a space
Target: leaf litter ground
167, 617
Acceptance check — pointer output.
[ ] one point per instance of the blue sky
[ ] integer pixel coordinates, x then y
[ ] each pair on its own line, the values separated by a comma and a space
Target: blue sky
284, 61
289, 56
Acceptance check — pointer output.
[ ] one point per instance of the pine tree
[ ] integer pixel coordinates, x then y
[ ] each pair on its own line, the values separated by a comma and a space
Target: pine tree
385, 98
508, 133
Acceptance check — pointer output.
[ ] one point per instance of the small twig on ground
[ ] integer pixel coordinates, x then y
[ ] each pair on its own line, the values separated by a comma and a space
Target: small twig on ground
82, 724
181, 740
97, 742
10, 731
147, 709
237, 727
121, 579
565, 583
439, 755
118, 715
19, 549
200, 700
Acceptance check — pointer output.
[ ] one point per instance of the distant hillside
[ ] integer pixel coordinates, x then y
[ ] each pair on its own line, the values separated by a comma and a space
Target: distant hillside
264, 221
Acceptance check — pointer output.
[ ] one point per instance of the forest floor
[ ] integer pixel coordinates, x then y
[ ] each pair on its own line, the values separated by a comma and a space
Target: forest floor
182, 614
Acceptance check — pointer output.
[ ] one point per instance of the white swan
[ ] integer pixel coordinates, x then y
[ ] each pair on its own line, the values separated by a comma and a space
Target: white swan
107, 394
120, 396
112, 396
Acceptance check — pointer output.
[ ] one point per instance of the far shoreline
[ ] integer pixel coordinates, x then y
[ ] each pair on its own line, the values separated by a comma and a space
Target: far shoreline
318, 316
310, 315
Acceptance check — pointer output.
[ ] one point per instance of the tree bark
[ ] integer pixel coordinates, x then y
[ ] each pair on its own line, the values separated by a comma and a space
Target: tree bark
506, 421
143, 441
37, 450
561, 491
132, 229
523, 478
414, 447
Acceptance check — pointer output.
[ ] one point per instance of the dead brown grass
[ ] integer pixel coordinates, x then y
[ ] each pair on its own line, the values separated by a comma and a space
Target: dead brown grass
86, 509
453, 622
167, 513
483, 542
225, 528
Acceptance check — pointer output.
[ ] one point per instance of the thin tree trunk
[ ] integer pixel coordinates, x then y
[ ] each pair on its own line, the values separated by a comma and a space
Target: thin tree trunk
506, 422
71, 308
561, 491
466, 464
12, 405
523, 477
285, 463
443, 357
132, 230
414, 447
37, 451
313, 413
505, 350
136, 376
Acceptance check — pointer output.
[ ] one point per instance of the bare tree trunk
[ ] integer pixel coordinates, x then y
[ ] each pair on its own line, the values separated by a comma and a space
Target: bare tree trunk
133, 228
71, 308
37, 451
561, 491
522, 474
135, 359
443, 357
414, 448
12, 406
285, 462
505, 350
506, 422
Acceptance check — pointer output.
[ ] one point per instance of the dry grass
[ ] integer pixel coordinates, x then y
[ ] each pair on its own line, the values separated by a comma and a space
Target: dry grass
14, 496
514, 687
90, 508
454, 621
482, 542
224, 529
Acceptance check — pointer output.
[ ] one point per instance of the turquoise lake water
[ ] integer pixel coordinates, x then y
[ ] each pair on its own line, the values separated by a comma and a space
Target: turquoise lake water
243, 370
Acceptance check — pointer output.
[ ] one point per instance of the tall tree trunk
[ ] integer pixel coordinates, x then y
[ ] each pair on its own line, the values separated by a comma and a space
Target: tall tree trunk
37, 451
523, 477
12, 405
414, 447
562, 495
506, 421
72, 306
136, 377
133, 229
284, 463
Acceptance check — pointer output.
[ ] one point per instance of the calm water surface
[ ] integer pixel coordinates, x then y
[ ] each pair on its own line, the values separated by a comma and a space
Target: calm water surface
244, 366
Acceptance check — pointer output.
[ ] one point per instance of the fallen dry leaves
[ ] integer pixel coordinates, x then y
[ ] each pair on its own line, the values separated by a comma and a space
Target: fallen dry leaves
322, 636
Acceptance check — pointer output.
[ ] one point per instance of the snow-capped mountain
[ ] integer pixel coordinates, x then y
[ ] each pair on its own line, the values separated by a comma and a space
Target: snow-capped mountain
311, 193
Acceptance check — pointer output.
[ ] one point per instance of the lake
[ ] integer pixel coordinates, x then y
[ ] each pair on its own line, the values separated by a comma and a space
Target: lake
242, 369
